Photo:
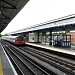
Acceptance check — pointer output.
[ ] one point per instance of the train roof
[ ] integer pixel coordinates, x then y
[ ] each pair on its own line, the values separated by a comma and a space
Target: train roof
11, 36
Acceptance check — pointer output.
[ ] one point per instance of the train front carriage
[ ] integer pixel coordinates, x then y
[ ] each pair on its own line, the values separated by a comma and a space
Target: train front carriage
19, 40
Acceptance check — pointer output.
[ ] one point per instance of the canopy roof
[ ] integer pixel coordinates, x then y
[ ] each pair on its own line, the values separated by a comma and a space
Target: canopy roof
66, 23
8, 10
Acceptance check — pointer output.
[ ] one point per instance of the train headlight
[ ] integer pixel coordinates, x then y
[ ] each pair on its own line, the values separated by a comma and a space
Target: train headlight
13, 40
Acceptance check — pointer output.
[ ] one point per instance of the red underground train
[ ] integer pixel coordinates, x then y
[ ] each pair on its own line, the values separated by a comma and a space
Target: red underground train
17, 40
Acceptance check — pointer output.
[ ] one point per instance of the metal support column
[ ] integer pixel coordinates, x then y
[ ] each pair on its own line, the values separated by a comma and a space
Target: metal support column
66, 40
50, 38
38, 37
44, 37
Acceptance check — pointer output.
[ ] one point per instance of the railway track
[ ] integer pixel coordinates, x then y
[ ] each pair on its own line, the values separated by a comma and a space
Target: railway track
23, 68
65, 66
21, 61
45, 60
67, 63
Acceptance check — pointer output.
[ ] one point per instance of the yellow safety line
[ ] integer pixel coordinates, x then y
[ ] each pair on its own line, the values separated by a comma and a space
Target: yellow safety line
1, 72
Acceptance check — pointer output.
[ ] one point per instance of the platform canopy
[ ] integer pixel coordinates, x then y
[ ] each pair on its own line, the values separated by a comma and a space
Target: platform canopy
8, 10
66, 23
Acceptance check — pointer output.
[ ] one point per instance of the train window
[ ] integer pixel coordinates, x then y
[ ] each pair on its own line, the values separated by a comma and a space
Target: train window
20, 38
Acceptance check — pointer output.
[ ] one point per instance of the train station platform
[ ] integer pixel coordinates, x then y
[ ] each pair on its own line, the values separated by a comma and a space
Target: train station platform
1, 71
69, 51
6, 67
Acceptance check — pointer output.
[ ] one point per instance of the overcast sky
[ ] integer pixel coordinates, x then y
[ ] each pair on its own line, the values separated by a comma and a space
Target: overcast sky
39, 11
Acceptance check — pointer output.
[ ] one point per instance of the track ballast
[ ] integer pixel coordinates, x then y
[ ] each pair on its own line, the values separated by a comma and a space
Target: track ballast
30, 61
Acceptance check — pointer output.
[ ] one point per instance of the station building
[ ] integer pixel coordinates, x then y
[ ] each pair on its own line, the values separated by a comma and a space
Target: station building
50, 32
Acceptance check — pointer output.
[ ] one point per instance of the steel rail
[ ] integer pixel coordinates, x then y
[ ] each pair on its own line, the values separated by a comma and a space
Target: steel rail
63, 67
49, 68
15, 64
52, 57
33, 63
28, 60
16, 55
53, 63
6, 47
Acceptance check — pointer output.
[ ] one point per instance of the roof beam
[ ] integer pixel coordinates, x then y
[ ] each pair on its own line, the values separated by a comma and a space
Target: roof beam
4, 19
0, 6
3, 22
8, 3
8, 7
5, 16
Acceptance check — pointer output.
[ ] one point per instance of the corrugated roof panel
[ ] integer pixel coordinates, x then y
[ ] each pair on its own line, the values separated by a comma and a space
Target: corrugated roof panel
8, 10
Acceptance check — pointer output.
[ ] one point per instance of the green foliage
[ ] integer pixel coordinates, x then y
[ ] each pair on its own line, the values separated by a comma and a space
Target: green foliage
0, 35
6, 35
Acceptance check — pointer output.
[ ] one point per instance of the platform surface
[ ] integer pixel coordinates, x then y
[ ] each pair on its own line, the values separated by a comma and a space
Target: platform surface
6, 67
1, 71
70, 51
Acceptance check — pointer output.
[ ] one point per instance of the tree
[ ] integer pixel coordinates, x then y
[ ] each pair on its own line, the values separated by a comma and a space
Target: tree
6, 35
0, 35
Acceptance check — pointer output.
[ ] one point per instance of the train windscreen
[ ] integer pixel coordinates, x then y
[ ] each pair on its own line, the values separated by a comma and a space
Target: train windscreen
20, 38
